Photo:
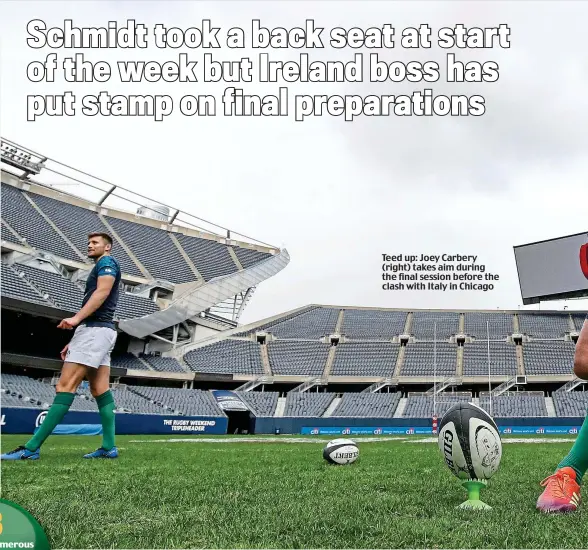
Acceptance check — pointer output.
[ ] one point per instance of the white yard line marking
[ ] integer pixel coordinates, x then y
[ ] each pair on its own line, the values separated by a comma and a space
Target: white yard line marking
263, 440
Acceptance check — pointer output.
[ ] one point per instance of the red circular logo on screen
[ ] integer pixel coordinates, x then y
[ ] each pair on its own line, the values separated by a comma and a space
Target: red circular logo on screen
584, 259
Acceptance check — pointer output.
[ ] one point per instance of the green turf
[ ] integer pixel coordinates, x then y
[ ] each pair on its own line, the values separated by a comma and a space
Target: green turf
281, 495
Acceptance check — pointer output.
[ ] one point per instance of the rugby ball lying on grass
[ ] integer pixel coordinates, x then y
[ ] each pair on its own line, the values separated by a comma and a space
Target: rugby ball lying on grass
470, 442
341, 451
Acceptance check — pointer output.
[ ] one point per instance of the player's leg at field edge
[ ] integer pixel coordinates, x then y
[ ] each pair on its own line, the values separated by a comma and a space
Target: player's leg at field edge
71, 376
99, 387
578, 456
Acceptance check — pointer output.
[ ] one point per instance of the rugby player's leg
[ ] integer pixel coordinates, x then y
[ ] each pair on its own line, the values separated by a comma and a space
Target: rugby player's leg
99, 386
562, 489
71, 376
577, 459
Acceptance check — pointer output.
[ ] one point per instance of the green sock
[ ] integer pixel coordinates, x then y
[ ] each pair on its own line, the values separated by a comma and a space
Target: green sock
61, 405
106, 407
578, 456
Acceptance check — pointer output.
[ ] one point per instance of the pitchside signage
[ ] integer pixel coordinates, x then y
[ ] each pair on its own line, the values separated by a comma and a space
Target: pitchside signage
553, 269
19, 529
420, 430
229, 401
26, 421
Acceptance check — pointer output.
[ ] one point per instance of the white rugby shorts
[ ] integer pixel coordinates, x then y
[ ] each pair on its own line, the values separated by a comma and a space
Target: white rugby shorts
91, 346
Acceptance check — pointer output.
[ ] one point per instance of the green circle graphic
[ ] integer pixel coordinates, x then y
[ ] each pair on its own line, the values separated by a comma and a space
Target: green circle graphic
19, 530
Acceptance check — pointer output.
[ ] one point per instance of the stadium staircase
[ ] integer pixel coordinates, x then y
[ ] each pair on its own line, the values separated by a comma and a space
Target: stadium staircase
196, 297
187, 259
252, 384
443, 385
332, 406
377, 386
505, 386
31, 285
550, 407
309, 384
400, 409
280, 407
267, 368
330, 361
571, 385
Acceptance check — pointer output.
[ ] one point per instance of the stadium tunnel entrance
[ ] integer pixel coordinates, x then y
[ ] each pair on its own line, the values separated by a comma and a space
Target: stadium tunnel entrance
240, 422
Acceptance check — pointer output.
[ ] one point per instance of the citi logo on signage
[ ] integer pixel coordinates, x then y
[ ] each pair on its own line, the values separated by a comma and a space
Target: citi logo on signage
584, 259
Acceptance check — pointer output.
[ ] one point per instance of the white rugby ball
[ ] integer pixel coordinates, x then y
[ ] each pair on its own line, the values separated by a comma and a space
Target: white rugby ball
470, 442
341, 451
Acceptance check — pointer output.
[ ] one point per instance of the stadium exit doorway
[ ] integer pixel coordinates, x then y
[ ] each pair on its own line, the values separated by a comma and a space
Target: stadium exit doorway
240, 422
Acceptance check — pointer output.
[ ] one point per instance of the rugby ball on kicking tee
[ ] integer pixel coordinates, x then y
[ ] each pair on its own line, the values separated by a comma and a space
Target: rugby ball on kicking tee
469, 441
341, 451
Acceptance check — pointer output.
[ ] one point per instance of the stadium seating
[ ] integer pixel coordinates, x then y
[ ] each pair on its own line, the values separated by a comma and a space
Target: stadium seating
263, 403
16, 287
371, 405
480, 325
131, 402
298, 358
186, 402
211, 258
307, 403
545, 325
127, 361
579, 320
266, 326
7, 235
548, 357
419, 359
503, 359
22, 391
68, 295
363, 324
426, 323
76, 223
419, 405
314, 324
154, 249
515, 404
163, 364
572, 403
365, 359
226, 357
63, 292
20, 214
248, 258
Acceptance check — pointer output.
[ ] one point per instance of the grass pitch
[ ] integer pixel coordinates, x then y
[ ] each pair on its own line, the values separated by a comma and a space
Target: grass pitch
281, 495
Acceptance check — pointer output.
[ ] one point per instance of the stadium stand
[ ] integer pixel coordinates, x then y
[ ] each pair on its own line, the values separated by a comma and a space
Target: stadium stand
7, 235
131, 402
315, 323
76, 223
572, 403
163, 364
23, 391
365, 359
419, 405
307, 404
20, 214
15, 286
226, 357
360, 324
68, 295
497, 325
63, 292
282, 319
298, 358
419, 359
503, 359
186, 402
371, 405
579, 320
212, 259
515, 404
548, 357
544, 326
127, 361
154, 249
263, 403
423, 324
248, 257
